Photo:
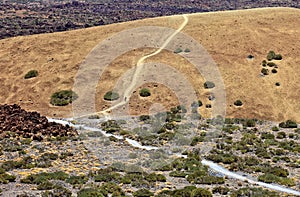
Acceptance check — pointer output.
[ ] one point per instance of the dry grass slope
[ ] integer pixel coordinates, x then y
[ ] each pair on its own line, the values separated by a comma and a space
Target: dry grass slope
228, 36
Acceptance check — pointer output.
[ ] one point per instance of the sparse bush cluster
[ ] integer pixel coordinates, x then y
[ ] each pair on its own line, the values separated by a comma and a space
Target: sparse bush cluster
271, 56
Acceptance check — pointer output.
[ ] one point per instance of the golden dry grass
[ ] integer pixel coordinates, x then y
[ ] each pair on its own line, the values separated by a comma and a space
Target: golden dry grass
229, 37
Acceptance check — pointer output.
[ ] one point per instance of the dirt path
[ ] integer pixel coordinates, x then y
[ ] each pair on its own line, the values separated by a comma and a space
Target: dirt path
138, 68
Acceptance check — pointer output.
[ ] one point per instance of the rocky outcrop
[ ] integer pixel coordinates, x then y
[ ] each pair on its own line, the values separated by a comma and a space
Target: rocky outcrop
14, 119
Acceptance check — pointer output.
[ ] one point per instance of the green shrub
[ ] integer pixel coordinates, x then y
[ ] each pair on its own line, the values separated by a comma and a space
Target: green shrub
63, 97
288, 124
209, 85
187, 50
178, 174
31, 74
197, 104
277, 84
265, 71
42, 177
250, 56
275, 128
253, 192
281, 135
264, 63
274, 70
271, 64
142, 193
145, 92
45, 186
249, 123
277, 57
77, 180
221, 190
200, 192
90, 192
111, 96
267, 136
271, 178
5, 178
271, 55
144, 117
178, 50
238, 103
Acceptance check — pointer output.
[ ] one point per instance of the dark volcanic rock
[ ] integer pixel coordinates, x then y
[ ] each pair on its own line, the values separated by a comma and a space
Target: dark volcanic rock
29, 124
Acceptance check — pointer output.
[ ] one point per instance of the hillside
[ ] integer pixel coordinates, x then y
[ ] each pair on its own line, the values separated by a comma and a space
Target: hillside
229, 37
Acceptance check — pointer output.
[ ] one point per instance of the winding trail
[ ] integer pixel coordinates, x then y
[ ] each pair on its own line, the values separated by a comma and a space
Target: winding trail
127, 93
138, 68
210, 164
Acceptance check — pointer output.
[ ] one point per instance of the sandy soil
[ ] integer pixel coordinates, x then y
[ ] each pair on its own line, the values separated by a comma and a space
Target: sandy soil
229, 37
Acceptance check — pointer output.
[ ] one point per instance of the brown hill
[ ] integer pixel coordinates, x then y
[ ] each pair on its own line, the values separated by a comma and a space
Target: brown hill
229, 37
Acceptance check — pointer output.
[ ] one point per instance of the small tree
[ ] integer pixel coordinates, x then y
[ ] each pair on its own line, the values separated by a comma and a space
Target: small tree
145, 92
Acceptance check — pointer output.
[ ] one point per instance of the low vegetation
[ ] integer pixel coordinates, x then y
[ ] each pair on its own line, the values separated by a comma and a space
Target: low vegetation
31, 74
63, 97
209, 85
145, 92
111, 96
238, 103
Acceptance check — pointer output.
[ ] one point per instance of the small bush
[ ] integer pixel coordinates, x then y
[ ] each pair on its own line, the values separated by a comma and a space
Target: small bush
90, 192
197, 104
271, 64
144, 117
281, 135
209, 85
271, 55
278, 57
208, 106
142, 193
238, 103
145, 92
274, 70
178, 50
221, 190
31, 74
63, 97
288, 124
264, 63
277, 84
111, 96
265, 71
77, 180
187, 50
200, 192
